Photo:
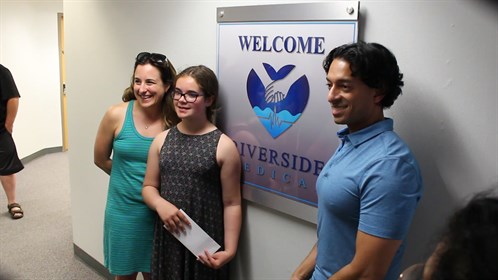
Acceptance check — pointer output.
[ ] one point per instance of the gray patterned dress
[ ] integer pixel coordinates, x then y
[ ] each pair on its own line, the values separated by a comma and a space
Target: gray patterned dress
190, 179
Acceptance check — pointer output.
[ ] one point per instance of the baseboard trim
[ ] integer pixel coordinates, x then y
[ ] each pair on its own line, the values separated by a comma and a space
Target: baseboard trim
40, 153
91, 262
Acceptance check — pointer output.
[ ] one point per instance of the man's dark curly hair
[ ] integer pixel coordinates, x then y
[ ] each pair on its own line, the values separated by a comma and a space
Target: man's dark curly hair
470, 242
374, 64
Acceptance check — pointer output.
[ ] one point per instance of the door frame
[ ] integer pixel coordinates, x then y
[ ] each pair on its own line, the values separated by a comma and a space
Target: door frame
62, 75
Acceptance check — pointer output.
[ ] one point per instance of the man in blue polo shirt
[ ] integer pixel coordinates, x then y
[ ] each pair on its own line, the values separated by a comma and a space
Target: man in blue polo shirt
369, 190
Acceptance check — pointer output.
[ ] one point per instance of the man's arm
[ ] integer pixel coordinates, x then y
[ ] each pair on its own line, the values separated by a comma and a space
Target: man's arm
305, 269
12, 107
372, 258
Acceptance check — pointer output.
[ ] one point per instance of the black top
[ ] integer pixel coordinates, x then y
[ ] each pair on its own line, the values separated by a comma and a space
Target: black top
8, 90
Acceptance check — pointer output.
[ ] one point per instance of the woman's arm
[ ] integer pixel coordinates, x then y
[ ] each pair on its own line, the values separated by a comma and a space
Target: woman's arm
12, 107
172, 218
105, 135
229, 160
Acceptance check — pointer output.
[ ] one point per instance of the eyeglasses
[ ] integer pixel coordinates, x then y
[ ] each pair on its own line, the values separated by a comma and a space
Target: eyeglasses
155, 58
190, 96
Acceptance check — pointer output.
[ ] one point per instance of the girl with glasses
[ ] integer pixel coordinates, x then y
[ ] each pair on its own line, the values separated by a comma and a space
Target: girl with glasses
194, 167
126, 131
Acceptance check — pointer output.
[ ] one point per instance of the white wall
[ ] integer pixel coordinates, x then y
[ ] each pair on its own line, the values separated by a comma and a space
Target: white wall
29, 48
447, 51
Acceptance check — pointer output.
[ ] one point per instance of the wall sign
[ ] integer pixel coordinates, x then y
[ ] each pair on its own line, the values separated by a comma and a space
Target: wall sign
273, 95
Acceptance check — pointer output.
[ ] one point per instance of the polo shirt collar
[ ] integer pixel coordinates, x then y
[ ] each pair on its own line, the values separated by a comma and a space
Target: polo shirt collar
358, 137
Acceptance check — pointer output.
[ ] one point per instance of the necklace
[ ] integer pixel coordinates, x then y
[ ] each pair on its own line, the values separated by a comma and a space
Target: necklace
147, 125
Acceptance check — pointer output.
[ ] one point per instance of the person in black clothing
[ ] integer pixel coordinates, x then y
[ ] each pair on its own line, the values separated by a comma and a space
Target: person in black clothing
9, 160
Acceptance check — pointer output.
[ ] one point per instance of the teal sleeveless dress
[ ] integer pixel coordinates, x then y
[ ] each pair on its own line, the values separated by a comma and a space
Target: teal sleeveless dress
128, 222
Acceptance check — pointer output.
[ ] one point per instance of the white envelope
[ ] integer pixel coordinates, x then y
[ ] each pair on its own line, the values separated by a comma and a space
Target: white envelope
195, 239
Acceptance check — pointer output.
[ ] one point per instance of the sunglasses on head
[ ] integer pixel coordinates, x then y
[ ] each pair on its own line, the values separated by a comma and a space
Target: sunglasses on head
155, 58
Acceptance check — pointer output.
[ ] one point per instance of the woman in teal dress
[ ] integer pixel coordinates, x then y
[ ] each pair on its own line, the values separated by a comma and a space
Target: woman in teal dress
126, 132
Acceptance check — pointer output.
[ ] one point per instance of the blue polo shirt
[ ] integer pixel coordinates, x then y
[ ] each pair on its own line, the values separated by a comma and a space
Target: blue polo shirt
373, 184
